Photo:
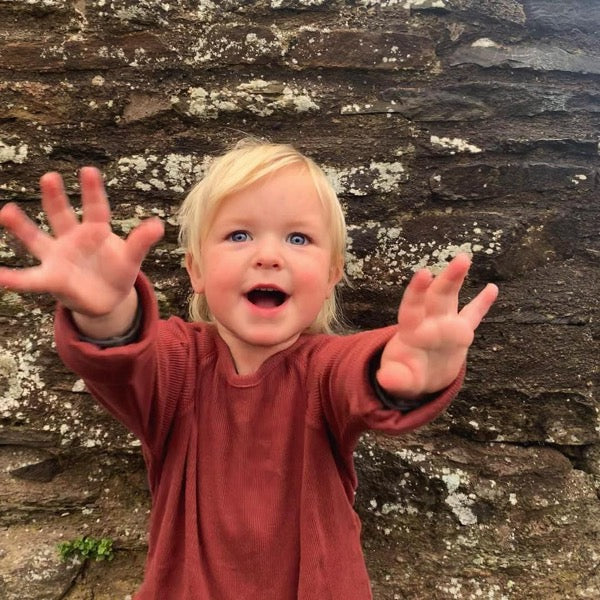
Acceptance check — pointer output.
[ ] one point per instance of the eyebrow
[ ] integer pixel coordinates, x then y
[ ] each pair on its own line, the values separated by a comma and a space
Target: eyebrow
243, 221
303, 223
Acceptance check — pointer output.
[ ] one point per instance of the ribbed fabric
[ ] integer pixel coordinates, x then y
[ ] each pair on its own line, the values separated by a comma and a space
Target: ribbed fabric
251, 476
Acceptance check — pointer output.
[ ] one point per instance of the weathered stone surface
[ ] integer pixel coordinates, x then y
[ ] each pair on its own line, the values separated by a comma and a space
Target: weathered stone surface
499, 10
32, 438
361, 49
22, 498
29, 564
567, 146
441, 527
113, 503
473, 10
101, 53
382, 256
475, 101
299, 4
144, 106
43, 470
233, 44
547, 15
537, 57
478, 133
257, 97
484, 181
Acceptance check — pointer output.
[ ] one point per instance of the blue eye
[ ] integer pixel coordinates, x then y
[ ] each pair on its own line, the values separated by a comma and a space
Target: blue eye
297, 239
239, 236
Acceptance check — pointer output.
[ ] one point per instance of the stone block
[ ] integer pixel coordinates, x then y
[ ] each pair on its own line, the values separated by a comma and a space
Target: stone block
480, 100
94, 52
233, 44
474, 11
548, 15
537, 57
361, 49
481, 181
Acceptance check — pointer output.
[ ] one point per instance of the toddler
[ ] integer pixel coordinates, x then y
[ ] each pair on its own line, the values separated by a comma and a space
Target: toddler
249, 414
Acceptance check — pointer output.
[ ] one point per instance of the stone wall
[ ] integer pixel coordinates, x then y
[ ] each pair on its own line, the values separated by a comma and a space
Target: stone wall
445, 125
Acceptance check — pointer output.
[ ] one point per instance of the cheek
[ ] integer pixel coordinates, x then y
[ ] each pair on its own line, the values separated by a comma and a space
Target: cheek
221, 276
219, 273
316, 275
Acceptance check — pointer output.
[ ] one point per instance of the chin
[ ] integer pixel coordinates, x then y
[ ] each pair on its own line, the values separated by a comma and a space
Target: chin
270, 339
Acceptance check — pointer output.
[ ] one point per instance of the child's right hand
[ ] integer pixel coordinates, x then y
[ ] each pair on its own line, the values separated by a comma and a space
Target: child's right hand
85, 265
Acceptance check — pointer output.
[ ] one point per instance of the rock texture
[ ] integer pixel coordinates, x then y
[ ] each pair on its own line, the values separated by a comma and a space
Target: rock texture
445, 125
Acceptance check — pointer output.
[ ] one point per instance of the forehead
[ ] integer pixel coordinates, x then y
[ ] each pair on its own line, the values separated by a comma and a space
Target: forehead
287, 192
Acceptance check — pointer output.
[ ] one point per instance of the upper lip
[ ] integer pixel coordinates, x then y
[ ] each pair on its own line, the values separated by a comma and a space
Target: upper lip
257, 295
268, 287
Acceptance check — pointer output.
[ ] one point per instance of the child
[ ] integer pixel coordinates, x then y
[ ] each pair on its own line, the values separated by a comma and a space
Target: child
248, 416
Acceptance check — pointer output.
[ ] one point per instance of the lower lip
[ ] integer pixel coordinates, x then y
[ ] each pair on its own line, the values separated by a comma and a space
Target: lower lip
264, 311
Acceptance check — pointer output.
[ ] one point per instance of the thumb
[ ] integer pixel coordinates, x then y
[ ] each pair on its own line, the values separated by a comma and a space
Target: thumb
398, 380
145, 235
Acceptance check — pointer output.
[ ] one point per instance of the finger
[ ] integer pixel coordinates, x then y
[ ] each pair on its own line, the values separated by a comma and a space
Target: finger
140, 240
93, 196
475, 310
25, 230
412, 306
56, 205
33, 279
443, 292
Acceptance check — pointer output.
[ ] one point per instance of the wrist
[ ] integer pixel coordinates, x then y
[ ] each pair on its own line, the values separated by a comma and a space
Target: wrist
115, 324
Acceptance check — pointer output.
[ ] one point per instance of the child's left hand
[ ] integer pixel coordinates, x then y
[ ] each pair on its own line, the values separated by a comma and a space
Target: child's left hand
429, 348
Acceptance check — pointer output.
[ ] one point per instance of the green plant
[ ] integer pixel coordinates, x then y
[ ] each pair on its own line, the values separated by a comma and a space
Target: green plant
87, 548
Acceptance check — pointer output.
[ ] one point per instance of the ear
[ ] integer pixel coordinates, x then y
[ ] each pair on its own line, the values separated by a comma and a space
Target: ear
194, 273
336, 272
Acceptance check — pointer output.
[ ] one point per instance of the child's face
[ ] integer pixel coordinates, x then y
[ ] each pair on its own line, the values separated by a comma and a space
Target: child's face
265, 265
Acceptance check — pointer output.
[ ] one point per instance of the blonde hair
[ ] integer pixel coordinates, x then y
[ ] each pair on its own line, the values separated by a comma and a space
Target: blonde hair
247, 162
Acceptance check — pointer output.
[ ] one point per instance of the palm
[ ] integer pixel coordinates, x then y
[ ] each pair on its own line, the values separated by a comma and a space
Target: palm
433, 336
85, 265
90, 258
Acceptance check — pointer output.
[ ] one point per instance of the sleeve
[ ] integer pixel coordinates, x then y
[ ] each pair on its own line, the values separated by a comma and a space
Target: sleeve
140, 384
350, 402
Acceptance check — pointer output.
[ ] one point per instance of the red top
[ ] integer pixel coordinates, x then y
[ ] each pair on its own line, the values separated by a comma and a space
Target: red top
251, 476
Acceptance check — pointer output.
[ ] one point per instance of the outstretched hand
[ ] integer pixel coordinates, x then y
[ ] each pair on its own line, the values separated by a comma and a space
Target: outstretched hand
85, 265
430, 346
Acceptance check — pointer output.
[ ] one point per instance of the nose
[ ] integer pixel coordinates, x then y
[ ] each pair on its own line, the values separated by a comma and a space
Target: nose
268, 255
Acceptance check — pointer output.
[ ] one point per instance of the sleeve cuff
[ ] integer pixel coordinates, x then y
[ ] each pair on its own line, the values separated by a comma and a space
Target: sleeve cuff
129, 337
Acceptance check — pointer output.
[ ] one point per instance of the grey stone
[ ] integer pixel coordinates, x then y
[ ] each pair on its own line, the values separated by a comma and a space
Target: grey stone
42, 471
547, 15
539, 57
481, 100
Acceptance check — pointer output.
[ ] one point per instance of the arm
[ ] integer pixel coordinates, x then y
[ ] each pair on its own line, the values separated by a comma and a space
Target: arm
400, 378
429, 347
347, 400
85, 266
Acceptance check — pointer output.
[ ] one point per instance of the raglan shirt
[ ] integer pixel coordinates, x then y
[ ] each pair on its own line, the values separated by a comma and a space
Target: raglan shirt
251, 476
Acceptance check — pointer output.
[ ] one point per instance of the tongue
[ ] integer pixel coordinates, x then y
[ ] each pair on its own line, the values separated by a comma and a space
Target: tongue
264, 299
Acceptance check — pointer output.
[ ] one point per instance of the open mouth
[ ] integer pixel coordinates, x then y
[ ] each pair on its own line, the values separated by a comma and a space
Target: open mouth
265, 297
